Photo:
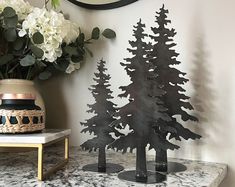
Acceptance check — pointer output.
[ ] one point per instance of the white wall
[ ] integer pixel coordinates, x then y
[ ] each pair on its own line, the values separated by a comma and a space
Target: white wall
212, 21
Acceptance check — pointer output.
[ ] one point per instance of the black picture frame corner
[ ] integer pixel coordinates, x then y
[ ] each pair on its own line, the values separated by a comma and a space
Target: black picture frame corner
106, 6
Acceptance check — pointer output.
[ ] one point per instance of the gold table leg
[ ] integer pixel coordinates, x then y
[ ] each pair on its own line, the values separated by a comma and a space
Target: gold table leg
40, 147
40, 162
57, 166
66, 148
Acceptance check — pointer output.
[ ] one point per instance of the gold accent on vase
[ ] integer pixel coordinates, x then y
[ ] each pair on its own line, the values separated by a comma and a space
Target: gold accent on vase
21, 86
29, 96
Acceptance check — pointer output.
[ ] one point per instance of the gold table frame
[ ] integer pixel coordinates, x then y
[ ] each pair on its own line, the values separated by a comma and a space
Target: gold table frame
40, 147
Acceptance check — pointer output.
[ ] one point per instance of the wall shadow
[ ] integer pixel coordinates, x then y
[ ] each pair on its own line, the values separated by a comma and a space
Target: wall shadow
55, 103
203, 100
204, 96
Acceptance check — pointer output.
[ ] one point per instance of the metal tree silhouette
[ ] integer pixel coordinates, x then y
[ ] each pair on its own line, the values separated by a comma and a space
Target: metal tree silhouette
99, 124
163, 58
143, 110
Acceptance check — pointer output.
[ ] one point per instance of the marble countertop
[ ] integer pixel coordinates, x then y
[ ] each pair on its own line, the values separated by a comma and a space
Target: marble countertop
19, 170
43, 137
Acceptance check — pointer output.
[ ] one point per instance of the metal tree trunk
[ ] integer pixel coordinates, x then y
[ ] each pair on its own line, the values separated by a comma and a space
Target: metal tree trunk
102, 160
161, 160
141, 169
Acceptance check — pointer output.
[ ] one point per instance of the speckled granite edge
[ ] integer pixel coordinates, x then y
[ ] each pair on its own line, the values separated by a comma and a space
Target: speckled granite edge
19, 170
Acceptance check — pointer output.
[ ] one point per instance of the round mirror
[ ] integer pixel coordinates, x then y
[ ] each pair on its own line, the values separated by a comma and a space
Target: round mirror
101, 4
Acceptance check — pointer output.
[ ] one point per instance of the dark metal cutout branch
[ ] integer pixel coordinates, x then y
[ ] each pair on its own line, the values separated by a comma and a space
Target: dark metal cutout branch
99, 124
144, 109
164, 60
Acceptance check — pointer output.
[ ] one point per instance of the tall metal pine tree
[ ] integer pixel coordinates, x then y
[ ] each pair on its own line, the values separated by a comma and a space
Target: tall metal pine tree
163, 58
142, 110
99, 124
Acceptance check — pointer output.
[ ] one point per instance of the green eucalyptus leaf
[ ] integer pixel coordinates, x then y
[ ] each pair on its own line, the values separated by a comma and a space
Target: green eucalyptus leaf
89, 51
10, 35
18, 44
28, 60
11, 22
61, 65
8, 12
71, 50
76, 59
95, 33
80, 39
109, 33
81, 50
37, 51
5, 59
45, 75
55, 3
38, 38
40, 64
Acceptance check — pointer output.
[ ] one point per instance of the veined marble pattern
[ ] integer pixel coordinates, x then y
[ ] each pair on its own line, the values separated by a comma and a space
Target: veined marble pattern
20, 170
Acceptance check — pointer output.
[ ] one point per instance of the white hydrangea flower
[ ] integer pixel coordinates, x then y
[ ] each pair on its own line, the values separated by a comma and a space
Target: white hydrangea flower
21, 7
73, 30
72, 67
55, 29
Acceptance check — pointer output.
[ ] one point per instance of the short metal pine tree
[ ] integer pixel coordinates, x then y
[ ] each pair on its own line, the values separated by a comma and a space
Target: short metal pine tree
163, 59
142, 112
99, 124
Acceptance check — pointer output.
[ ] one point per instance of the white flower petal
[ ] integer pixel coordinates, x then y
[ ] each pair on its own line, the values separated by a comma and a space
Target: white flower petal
52, 25
21, 7
70, 69
77, 66
22, 33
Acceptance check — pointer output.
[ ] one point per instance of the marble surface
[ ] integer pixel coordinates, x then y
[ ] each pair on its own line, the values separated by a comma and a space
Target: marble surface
19, 170
46, 136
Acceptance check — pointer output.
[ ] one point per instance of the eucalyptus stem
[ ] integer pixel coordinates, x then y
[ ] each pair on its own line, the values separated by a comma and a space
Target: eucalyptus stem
14, 67
6, 74
1, 75
29, 72
88, 40
45, 3
18, 73
36, 72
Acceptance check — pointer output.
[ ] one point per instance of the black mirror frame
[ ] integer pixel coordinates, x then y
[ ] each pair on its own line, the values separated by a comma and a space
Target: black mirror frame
103, 6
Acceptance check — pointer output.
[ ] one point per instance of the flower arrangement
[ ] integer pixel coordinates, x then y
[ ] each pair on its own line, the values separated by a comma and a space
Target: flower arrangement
38, 42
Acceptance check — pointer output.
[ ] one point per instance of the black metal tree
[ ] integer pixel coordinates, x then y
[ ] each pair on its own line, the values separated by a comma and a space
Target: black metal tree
99, 124
163, 59
142, 112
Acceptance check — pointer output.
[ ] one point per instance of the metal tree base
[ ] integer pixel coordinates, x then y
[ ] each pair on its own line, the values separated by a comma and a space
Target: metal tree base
153, 177
110, 168
172, 167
